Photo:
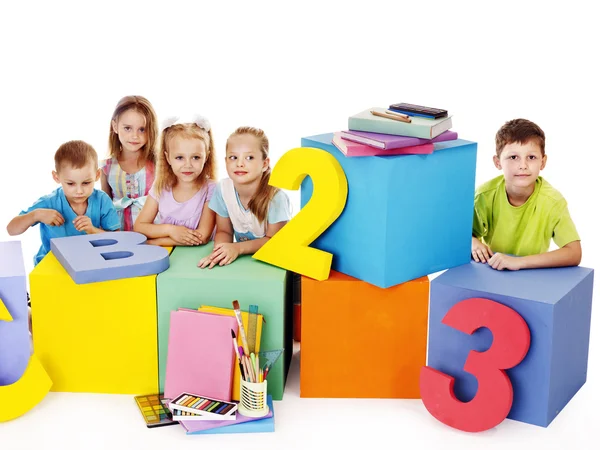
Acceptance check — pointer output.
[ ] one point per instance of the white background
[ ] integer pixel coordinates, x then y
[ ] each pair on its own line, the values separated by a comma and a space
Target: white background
297, 69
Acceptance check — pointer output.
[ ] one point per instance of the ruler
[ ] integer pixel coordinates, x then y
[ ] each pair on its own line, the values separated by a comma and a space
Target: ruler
252, 325
269, 357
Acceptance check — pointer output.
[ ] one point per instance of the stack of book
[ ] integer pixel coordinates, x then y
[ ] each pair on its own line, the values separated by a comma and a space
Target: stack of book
401, 129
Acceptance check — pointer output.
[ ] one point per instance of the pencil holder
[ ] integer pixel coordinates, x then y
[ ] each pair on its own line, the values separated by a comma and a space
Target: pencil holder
253, 399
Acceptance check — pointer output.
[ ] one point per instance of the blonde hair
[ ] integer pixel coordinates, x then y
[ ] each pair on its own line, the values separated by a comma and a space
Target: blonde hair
77, 154
144, 107
260, 201
165, 178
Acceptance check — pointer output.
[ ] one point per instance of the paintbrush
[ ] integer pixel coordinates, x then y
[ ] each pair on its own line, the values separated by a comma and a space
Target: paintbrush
238, 316
239, 358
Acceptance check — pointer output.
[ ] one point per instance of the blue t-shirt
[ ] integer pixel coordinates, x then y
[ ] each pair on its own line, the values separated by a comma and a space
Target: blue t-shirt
280, 210
100, 210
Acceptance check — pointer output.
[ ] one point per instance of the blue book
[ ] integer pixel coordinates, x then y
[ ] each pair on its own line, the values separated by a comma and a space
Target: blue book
242, 424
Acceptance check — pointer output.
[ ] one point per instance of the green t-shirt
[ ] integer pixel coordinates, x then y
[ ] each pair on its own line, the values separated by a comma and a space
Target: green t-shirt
522, 230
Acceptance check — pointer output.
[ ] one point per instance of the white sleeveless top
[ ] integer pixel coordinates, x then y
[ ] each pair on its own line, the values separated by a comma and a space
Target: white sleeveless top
242, 220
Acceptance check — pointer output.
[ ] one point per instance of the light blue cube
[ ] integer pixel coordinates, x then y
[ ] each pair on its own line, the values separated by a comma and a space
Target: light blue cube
406, 216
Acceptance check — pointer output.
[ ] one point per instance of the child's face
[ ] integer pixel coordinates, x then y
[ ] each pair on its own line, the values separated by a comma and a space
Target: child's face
521, 163
244, 159
186, 158
78, 184
131, 128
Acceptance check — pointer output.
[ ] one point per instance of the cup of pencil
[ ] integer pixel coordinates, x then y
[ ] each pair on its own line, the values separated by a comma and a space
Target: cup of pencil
253, 399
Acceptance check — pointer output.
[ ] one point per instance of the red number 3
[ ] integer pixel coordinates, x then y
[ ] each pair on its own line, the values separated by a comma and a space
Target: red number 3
494, 396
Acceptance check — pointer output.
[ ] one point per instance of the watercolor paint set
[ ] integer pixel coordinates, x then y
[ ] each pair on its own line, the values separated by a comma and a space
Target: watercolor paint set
155, 410
201, 408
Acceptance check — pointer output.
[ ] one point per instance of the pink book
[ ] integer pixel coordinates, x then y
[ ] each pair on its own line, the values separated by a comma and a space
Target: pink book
200, 356
351, 149
391, 141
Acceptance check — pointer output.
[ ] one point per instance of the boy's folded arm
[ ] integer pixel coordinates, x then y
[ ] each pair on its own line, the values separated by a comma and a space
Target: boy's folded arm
21, 223
568, 255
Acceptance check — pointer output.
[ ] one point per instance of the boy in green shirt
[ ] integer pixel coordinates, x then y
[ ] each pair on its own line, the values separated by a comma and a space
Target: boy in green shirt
519, 212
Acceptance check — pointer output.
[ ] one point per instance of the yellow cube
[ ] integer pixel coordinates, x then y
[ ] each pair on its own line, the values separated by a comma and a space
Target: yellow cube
96, 337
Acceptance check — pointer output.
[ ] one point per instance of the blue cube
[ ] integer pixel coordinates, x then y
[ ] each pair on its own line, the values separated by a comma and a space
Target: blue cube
406, 216
555, 303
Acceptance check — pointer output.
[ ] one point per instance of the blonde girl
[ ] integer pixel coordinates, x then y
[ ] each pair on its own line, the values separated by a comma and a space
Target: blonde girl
185, 182
248, 208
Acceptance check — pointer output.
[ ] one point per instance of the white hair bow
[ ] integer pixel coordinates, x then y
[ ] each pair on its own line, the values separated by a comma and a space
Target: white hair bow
199, 120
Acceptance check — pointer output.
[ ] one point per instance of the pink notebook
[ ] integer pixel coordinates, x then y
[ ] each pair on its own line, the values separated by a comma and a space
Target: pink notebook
351, 149
200, 357
392, 141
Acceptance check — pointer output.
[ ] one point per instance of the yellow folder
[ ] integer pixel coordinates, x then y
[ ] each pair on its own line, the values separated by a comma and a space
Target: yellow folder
235, 388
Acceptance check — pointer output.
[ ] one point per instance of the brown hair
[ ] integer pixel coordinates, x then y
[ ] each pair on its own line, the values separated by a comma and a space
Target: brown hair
521, 131
75, 153
259, 203
165, 178
144, 107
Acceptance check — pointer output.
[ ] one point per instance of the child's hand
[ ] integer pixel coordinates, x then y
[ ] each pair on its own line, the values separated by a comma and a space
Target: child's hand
84, 223
222, 255
184, 236
480, 251
501, 261
49, 217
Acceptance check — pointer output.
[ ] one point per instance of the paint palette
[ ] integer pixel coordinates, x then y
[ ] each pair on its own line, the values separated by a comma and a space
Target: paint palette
202, 408
155, 410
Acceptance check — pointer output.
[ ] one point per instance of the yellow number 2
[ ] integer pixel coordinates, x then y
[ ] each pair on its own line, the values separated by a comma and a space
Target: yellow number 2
289, 248
21, 396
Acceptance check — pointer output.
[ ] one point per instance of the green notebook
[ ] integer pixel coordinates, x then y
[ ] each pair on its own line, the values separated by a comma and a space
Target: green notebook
419, 127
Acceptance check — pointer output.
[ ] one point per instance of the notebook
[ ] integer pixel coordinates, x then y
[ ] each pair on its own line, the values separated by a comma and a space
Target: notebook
242, 424
418, 127
235, 389
392, 141
200, 356
353, 149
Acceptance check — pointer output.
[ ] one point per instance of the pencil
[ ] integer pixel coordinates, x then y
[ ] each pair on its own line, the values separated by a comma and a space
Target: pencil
389, 111
391, 116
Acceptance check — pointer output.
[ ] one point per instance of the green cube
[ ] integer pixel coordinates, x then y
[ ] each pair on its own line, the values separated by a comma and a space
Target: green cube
247, 280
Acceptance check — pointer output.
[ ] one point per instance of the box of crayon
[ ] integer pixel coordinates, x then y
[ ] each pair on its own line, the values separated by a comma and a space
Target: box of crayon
201, 408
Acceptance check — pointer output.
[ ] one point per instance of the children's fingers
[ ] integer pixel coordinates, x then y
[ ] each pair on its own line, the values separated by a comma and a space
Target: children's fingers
218, 254
191, 236
488, 252
191, 240
217, 259
203, 262
475, 257
227, 261
483, 256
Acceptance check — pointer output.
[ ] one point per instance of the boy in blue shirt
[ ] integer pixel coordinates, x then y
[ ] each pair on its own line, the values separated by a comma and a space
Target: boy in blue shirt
74, 208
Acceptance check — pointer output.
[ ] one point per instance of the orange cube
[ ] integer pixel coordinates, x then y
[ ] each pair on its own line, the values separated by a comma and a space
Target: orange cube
362, 341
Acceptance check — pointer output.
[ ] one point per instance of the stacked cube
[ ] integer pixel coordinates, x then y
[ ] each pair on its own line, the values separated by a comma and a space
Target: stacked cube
364, 330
